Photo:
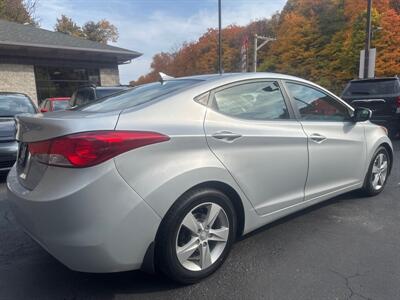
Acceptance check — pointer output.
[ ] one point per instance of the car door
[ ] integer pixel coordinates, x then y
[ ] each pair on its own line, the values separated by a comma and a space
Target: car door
250, 127
336, 144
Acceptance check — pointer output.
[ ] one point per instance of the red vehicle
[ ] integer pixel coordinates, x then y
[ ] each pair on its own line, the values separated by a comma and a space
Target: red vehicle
53, 104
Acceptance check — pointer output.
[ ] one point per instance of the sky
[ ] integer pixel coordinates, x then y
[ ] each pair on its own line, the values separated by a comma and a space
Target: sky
152, 26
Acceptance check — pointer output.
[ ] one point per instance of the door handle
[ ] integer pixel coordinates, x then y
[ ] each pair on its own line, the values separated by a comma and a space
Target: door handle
317, 138
227, 136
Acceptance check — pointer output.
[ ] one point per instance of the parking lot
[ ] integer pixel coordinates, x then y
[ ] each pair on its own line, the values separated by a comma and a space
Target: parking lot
345, 248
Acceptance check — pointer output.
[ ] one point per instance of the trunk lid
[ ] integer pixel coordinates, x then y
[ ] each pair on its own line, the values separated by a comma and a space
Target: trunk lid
33, 128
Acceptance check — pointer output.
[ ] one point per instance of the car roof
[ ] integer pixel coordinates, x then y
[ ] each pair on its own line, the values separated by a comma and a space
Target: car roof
241, 76
15, 94
211, 81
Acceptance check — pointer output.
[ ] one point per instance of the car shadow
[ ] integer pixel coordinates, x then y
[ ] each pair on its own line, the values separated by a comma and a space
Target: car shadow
353, 195
29, 272
73, 285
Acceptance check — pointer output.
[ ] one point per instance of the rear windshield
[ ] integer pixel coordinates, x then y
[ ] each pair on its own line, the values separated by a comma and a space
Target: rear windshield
381, 87
100, 93
138, 95
60, 104
11, 105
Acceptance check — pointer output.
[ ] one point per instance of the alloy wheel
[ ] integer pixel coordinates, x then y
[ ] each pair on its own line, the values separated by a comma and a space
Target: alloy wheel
379, 171
202, 236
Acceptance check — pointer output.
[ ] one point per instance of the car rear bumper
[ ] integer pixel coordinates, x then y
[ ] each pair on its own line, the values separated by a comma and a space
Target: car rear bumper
96, 223
8, 155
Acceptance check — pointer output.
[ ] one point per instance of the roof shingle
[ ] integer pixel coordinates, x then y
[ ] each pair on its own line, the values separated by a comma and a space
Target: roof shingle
28, 35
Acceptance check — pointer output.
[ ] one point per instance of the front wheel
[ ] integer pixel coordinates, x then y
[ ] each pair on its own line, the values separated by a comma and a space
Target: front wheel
196, 235
378, 172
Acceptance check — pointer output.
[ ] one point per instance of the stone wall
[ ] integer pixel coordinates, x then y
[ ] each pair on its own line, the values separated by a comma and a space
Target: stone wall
109, 76
18, 78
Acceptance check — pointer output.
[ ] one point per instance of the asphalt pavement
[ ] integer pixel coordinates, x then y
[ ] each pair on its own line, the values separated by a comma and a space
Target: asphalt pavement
344, 248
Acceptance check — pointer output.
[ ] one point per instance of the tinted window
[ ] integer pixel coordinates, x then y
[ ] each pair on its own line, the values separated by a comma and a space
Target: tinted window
316, 105
252, 101
60, 105
13, 104
79, 97
380, 87
90, 95
82, 96
139, 95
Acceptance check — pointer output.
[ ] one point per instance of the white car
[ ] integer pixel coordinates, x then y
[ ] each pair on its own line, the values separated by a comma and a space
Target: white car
167, 175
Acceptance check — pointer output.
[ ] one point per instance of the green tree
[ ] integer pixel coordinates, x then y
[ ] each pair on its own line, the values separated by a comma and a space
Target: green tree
68, 26
102, 31
20, 11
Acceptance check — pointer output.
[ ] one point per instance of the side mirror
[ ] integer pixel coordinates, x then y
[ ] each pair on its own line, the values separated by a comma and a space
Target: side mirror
362, 114
43, 110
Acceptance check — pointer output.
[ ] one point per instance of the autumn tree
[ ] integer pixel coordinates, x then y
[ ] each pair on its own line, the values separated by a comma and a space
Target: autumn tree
388, 44
102, 31
319, 40
68, 26
20, 11
296, 49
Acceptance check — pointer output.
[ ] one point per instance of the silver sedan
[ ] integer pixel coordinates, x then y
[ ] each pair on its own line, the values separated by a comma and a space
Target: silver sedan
167, 175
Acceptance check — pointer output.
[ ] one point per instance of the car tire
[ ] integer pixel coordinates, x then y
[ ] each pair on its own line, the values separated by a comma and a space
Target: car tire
370, 187
174, 236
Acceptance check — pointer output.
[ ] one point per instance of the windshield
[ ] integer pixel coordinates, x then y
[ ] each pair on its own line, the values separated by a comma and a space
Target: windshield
379, 87
138, 95
14, 104
60, 104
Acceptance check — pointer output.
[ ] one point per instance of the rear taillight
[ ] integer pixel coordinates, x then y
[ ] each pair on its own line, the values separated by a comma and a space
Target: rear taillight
87, 149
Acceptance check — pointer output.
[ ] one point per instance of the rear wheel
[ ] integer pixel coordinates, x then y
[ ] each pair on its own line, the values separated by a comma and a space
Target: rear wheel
196, 235
378, 172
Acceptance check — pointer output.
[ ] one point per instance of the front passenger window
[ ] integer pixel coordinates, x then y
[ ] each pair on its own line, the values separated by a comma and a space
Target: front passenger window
252, 101
315, 105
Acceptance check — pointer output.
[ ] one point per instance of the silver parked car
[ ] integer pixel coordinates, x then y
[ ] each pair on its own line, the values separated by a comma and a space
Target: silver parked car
169, 174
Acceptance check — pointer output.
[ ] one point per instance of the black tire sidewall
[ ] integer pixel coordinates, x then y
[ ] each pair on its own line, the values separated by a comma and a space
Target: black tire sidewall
166, 239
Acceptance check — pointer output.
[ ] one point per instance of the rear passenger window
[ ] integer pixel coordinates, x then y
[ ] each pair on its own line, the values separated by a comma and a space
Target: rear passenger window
252, 101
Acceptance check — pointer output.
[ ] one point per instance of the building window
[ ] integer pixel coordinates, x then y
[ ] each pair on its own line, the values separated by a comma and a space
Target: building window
62, 81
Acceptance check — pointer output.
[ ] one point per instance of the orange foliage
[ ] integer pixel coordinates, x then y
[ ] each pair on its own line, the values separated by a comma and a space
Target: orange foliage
319, 40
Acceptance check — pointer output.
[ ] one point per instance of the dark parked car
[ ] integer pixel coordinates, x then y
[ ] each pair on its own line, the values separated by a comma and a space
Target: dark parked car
381, 95
87, 94
54, 104
11, 104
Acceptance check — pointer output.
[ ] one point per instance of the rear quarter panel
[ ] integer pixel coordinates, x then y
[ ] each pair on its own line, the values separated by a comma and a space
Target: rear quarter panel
161, 173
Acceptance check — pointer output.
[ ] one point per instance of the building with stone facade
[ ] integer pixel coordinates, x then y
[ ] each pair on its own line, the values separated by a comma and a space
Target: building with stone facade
43, 63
